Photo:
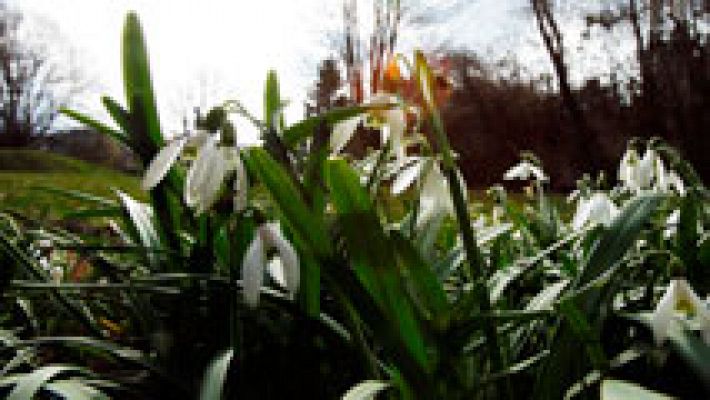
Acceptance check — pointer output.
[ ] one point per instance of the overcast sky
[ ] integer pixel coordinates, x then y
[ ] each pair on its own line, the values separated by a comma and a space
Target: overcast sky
210, 50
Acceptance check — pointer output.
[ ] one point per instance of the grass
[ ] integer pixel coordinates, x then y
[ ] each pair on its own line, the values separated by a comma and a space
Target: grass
24, 172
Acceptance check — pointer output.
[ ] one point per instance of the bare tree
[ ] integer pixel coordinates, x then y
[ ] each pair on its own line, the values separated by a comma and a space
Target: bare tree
553, 41
33, 84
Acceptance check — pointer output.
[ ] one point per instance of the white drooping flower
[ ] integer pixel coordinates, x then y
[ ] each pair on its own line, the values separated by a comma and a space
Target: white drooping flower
343, 131
207, 173
168, 155
647, 169
435, 196
648, 173
679, 298
525, 170
204, 180
628, 169
286, 272
668, 180
408, 175
597, 209
394, 126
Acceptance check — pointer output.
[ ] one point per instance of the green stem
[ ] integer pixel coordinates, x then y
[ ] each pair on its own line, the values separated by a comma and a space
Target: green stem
475, 259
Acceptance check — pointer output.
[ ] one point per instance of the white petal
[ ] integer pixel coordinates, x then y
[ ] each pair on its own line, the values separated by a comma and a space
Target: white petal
538, 173
406, 177
204, 180
198, 170
434, 199
525, 170
674, 181
397, 122
519, 171
627, 168
161, 164
253, 270
646, 169
342, 133
273, 237
210, 187
662, 315
581, 215
700, 309
598, 209
275, 268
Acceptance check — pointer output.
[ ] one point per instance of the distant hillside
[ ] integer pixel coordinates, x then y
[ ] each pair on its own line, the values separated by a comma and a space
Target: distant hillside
23, 174
38, 160
85, 144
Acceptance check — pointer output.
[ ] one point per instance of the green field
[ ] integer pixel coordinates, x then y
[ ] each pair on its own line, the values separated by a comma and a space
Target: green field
24, 174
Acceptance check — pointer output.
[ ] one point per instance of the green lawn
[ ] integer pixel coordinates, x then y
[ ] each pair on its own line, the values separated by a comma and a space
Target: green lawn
24, 172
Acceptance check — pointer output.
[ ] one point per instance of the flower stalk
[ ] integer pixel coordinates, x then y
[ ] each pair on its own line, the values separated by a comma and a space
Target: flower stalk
475, 259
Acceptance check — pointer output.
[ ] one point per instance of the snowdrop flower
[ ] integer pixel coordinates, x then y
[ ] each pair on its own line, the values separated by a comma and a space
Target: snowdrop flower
679, 296
674, 181
269, 236
646, 168
648, 173
395, 125
407, 175
628, 168
395, 121
204, 180
343, 131
168, 155
668, 181
435, 197
635, 172
525, 170
597, 209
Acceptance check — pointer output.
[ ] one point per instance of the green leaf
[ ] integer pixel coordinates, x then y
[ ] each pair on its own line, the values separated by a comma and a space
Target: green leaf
307, 127
30, 384
215, 376
92, 213
692, 350
585, 333
366, 390
618, 238
272, 102
613, 389
75, 389
298, 216
591, 292
371, 254
140, 218
12, 255
79, 195
118, 113
137, 81
428, 290
96, 125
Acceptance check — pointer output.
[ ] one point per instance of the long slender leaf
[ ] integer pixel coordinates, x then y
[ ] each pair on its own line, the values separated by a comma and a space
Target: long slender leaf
137, 82
215, 376
285, 194
366, 390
